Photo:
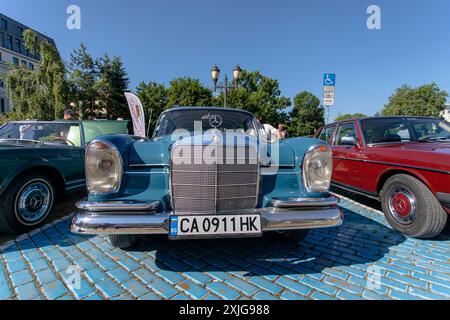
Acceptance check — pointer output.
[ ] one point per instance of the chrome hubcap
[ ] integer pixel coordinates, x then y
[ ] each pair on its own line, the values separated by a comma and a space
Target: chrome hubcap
34, 202
402, 205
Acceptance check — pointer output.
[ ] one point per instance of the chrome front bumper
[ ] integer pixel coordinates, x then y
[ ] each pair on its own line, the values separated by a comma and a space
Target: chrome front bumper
286, 214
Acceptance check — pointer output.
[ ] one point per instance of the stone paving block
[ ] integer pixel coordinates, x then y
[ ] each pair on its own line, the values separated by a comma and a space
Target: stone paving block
46, 276
288, 295
242, 286
223, 291
262, 295
150, 296
16, 265
83, 291
95, 274
144, 275
192, 289
27, 291
198, 277
119, 275
21, 277
294, 286
319, 285
426, 294
5, 291
163, 288
135, 288
266, 285
54, 290
108, 288
150, 263
317, 295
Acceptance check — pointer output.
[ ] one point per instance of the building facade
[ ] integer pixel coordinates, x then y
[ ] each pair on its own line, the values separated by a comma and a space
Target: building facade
13, 51
446, 113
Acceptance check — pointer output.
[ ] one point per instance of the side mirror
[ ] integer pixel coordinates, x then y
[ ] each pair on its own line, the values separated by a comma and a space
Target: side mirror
349, 141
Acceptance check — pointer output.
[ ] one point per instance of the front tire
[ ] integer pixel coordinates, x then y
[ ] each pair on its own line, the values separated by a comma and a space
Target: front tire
26, 203
411, 208
122, 241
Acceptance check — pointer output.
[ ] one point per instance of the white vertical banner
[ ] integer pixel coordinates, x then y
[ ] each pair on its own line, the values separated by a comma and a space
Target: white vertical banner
137, 114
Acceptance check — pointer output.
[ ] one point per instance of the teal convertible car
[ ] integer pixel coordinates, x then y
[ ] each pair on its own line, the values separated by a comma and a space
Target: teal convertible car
39, 161
206, 173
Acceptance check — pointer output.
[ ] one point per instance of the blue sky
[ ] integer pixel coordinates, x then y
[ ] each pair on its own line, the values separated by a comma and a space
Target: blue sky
292, 41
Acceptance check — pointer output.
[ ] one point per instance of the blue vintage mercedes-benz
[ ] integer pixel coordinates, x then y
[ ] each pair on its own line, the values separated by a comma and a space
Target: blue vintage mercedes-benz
206, 173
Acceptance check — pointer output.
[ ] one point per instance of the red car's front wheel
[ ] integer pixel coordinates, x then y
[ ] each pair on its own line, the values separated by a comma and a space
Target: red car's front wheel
411, 208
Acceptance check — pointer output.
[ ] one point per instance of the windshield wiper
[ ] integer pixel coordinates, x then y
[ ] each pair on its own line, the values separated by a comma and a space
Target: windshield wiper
21, 140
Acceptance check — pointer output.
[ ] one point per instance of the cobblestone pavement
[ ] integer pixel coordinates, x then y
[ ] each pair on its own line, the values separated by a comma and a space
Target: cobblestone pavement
363, 259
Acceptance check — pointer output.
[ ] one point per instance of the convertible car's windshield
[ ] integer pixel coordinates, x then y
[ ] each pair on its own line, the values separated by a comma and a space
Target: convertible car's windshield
386, 130
206, 119
51, 133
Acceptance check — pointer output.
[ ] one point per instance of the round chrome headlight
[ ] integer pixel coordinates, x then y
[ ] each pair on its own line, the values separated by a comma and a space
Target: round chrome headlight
318, 168
103, 167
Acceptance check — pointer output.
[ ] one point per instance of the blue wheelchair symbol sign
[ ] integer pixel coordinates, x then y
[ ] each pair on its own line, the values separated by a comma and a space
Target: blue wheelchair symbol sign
329, 79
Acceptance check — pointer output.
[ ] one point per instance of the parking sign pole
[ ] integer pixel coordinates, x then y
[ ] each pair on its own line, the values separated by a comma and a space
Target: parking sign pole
329, 89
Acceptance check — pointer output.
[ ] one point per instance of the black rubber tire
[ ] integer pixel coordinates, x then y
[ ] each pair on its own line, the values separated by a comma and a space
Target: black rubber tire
9, 220
293, 236
431, 217
122, 241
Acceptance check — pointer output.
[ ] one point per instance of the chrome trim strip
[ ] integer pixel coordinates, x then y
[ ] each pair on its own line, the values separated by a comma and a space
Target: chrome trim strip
272, 220
216, 197
145, 173
305, 202
118, 206
352, 190
143, 165
78, 186
398, 165
76, 181
219, 171
213, 185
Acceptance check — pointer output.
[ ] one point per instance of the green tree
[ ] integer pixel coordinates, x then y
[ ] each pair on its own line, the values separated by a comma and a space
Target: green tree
346, 116
427, 100
83, 77
260, 95
42, 93
307, 115
110, 87
154, 98
186, 92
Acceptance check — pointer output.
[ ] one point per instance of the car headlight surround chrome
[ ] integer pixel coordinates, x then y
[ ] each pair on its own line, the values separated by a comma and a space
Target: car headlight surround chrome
104, 167
318, 168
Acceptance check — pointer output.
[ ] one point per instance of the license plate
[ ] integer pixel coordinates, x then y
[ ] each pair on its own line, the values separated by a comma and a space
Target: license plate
201, 226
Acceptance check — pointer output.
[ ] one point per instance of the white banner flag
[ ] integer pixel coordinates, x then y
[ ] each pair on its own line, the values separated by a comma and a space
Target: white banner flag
137, 114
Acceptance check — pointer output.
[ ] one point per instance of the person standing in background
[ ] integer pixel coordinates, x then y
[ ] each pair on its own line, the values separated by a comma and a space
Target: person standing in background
282, 132
69, 114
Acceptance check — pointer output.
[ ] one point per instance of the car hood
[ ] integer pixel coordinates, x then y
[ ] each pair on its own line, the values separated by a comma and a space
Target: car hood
157, 151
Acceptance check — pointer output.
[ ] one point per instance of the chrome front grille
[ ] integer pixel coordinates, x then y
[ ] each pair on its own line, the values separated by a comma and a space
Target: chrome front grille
221, 181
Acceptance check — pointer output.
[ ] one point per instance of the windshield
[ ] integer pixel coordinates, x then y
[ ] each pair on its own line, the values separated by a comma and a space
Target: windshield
240, 122
48, 133
388, 130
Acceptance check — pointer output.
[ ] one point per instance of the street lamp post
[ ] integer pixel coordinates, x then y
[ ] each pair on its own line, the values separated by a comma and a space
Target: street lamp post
215, 74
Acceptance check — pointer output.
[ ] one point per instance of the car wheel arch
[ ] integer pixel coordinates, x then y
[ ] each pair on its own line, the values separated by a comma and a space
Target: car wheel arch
386, 175
52, 173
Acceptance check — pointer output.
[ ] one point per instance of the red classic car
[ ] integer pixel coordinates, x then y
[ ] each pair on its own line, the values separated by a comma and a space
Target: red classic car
404, 162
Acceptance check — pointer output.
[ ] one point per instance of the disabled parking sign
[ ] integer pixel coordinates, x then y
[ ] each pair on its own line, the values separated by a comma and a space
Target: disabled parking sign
329, 80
